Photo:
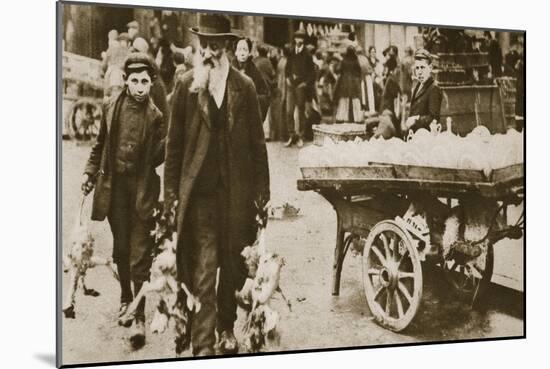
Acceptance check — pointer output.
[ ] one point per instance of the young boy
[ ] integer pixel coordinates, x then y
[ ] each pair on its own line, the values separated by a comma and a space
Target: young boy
121, 167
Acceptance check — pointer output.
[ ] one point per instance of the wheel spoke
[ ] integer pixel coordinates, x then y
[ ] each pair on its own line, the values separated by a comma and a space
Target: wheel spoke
401, 258
404, 291
392, 247
386, 246
388, 302
399, 304
402, 275
377, 252
377, 293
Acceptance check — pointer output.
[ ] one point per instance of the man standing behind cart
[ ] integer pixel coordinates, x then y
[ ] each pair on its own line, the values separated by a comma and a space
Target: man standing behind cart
426, 94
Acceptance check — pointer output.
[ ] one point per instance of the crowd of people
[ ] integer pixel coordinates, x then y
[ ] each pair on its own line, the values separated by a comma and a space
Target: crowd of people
298, 85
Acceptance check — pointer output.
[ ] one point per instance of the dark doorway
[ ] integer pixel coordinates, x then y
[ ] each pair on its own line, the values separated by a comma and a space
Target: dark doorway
105, 19
276, 31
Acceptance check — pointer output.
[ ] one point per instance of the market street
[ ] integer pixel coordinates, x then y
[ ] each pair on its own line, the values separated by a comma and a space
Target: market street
317, 319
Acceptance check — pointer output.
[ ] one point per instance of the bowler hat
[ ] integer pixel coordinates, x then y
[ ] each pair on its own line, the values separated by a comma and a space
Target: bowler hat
213, 25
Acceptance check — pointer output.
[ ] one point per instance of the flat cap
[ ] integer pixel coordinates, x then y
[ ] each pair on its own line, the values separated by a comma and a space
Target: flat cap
136, 61
423, 54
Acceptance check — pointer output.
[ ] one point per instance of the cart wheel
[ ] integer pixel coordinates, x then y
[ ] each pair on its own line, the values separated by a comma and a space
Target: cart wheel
83, 119
392, 275
470, 279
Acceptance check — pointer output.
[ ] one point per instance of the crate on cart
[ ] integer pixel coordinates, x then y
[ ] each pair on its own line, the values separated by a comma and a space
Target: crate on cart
507, 90
338, 132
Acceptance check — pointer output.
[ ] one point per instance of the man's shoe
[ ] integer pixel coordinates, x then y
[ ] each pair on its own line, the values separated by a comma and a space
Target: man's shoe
137, 336
228, 343
123, 319
300, 143
289, 142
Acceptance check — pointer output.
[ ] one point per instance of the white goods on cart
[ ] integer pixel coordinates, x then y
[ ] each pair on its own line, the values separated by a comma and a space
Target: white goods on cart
479, 150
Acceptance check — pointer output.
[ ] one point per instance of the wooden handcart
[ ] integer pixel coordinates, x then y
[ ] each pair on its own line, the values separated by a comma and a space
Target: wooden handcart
378, 207
82, 89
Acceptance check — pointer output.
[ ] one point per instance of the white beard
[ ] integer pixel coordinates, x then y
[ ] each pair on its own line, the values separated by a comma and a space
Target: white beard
206, 76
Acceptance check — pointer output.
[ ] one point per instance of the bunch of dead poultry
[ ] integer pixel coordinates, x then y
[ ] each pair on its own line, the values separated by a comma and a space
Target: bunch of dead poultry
175, 301
264, 272
79, 260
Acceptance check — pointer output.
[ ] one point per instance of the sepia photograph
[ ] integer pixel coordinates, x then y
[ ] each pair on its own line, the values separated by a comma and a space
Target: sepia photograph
236, 184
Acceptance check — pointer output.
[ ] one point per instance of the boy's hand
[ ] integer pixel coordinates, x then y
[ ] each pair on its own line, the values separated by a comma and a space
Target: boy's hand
87, 184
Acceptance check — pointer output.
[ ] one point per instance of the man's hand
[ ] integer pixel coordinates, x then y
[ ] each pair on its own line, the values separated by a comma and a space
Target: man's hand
87, 184
411, 121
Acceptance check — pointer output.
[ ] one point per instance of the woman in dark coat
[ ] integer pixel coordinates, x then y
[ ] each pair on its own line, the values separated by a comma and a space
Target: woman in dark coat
243, 62
390, 125
347, 93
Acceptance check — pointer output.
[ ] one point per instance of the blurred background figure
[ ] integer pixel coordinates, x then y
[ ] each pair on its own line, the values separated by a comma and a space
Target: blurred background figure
511, 59
112, 38
265, 67
347, 93
183, 58
406, 72
170, 29
167, 66
391, 52
495, 55
113, 64
133, 30
300, 77
390, 125
280, 102
375, 70
243, 62
327, 82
